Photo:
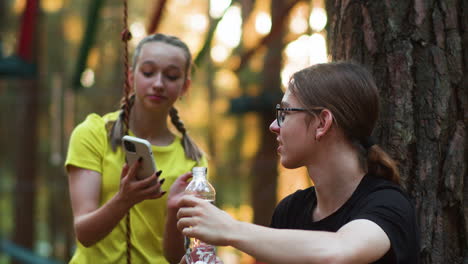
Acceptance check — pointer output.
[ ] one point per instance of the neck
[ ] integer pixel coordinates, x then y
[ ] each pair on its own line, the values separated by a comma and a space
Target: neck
335, 178
151, 126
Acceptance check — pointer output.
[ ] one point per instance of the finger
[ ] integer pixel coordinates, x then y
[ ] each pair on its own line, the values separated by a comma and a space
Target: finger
189, 201
134, 168
124, 170
182, 261
153, 192
147, 182
185, 177
186, 212
184, 224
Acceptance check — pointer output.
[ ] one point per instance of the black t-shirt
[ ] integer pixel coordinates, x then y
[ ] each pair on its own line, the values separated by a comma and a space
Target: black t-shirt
375, 199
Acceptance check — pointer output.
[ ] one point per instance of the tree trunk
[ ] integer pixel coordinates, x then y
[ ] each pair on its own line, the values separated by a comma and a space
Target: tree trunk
27, 134
417, 51
265, 167
26, 169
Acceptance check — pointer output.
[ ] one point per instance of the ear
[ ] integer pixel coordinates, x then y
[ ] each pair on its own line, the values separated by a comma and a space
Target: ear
325, 119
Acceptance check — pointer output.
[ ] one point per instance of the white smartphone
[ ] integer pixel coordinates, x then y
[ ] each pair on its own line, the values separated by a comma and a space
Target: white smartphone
135, 148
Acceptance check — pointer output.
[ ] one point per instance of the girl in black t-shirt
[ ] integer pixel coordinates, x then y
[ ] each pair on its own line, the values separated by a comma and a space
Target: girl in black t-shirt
355, 213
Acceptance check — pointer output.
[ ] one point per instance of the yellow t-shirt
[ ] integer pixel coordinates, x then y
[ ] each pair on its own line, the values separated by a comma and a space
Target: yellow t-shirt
89, 148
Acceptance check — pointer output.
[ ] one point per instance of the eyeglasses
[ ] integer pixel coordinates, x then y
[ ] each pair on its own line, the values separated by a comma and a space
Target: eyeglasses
280, 113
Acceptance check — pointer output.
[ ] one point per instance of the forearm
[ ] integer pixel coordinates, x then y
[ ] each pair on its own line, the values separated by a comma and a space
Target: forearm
173, 240
285, 245
94, 226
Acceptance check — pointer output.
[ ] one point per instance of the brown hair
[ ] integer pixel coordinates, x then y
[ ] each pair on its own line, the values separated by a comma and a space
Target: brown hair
350, 93
120, 127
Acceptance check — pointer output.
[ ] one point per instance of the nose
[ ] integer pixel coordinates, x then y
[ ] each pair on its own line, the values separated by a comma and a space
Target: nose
158, 81
274, 127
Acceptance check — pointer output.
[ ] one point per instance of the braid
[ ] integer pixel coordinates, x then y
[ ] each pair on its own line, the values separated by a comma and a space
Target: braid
120, 127
192, 151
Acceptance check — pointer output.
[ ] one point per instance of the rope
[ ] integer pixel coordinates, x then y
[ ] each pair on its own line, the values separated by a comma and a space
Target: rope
126, 36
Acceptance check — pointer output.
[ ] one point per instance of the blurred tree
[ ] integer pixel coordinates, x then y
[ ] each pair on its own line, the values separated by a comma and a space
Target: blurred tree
27, 139
418, 53
265, 168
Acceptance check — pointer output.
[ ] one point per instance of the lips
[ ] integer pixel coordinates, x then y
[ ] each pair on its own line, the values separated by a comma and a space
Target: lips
279, 146
155, 97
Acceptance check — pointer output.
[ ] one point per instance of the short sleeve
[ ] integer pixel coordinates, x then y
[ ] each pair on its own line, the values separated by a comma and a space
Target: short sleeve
395, 214
87, 145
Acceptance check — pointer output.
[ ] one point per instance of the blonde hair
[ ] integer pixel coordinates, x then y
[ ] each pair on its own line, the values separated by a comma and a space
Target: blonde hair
119, 128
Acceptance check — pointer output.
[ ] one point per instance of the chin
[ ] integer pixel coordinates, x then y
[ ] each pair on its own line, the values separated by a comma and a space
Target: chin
289, 164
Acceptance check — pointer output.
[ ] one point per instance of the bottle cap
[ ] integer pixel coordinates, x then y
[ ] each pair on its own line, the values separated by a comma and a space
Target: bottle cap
197, 170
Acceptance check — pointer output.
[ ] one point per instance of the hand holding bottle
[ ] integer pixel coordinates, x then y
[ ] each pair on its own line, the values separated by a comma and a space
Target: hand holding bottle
177, 190
198, 251
202, 220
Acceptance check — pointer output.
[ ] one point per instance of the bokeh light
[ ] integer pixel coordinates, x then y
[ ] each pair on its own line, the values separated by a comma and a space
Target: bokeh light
87, 78
263, 23
219, 53
197, 22
217, 7
298, 25
138, 32
51, 6
317, 49
318, 19
229, 29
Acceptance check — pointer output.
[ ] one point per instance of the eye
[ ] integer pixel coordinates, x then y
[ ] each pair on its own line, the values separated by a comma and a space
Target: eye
173, 77
147, 73
282, 115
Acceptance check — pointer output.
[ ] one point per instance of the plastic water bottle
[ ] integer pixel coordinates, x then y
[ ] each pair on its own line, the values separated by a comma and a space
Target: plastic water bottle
197, 251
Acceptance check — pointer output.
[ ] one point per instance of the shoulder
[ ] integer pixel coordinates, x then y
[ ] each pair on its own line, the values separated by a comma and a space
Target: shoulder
292, 205
298, 196
387, 205
88, 143
383, 192
95, 124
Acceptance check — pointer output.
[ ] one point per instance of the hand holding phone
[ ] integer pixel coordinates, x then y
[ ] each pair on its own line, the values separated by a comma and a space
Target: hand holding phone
135, 148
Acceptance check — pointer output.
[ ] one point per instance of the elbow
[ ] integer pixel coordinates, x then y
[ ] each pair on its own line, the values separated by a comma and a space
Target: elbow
338, 253
84, 241
83, 238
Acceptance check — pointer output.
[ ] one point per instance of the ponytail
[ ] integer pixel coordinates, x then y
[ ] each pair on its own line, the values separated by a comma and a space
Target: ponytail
381, 165
192, 151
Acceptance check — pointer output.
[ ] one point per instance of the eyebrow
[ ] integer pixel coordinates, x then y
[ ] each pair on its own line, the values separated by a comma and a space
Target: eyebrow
170, 66
284, 104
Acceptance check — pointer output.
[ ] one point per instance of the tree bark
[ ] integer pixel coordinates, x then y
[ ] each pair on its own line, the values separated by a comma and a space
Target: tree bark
417, 51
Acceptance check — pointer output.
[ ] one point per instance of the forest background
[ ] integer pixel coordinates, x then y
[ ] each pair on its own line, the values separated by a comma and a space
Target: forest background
63, 59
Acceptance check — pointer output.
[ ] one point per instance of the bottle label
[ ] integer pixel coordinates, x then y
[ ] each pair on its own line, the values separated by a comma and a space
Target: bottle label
200, 253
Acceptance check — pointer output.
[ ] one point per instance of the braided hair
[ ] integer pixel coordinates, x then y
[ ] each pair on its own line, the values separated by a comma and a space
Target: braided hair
120, 127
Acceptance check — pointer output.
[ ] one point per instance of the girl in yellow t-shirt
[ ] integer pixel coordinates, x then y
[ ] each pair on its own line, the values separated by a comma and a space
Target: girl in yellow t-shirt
118, 218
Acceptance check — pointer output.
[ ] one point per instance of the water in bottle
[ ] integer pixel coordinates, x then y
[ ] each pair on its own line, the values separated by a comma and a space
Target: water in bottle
198, 252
